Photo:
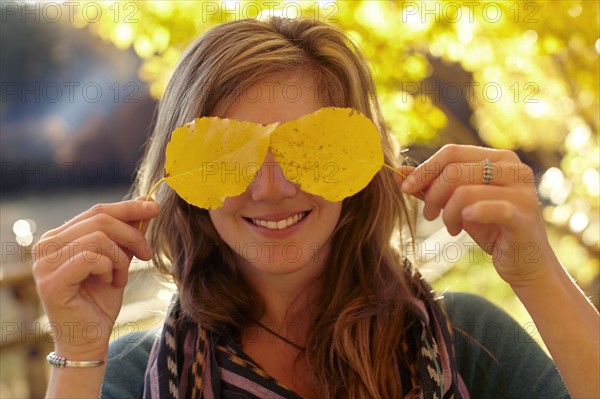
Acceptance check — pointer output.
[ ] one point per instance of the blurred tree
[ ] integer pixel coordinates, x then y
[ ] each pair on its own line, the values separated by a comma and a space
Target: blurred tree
522, 75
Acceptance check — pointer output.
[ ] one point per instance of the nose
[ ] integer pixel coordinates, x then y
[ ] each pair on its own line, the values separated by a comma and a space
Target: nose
270, 184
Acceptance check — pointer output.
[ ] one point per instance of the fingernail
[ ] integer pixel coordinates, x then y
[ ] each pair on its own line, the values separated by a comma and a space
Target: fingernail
409, 184
467, 213
150, 206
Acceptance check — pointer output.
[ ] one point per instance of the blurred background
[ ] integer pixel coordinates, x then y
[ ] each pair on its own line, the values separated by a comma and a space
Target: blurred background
80, 81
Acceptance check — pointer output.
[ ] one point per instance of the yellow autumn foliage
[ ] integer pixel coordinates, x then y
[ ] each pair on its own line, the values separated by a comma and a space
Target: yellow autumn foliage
332, 152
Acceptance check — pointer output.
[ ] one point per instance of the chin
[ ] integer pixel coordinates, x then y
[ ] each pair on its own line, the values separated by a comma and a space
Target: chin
293, 260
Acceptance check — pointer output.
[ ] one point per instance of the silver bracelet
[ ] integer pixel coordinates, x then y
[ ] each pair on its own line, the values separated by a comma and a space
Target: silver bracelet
59, 361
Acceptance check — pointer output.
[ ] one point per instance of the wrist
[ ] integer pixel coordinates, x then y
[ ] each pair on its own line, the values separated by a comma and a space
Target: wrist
74, 338
546, 271
81, 353
548, 279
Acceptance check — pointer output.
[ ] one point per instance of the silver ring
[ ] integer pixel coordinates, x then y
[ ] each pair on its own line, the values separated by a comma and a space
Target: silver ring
487, 171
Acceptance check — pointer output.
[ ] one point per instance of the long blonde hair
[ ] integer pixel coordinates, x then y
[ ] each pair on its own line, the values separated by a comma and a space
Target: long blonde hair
352, 345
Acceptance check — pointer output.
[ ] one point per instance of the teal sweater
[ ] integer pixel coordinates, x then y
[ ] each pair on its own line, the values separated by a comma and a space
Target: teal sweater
519, 368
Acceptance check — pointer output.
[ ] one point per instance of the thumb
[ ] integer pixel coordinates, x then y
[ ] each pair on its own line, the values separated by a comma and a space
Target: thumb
402, 173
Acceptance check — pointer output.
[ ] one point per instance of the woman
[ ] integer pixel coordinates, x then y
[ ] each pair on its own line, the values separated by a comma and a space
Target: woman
348, 316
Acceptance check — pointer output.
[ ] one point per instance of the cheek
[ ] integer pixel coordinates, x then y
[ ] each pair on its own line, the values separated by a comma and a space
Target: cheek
223, 223
225, 219
330, 216
227, 211
221, 219
215, 216
332, 210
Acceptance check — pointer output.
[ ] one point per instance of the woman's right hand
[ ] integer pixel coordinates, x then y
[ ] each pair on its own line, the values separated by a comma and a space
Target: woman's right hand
81, 270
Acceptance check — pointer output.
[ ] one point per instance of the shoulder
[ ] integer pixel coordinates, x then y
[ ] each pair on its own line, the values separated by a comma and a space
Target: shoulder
127, 360
495, 355
469, 311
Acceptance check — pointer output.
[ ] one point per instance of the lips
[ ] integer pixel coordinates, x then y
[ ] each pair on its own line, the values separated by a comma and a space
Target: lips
279, 224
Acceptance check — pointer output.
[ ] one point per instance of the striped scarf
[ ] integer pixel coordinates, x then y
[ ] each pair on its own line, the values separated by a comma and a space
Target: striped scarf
188, 361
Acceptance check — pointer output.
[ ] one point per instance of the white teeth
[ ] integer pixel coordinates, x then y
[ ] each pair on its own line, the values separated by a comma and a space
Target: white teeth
280, 224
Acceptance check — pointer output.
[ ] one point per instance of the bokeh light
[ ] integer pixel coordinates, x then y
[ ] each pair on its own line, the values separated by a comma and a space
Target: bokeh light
24, 229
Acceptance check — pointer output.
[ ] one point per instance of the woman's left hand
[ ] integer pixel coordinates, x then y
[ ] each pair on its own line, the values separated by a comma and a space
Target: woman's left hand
501, 214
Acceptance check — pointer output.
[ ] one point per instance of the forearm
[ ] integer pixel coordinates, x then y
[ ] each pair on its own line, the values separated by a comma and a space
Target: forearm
74, 382
77, 382
569, 326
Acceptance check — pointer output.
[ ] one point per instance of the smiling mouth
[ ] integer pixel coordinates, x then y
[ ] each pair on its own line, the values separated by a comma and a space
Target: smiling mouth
279, 224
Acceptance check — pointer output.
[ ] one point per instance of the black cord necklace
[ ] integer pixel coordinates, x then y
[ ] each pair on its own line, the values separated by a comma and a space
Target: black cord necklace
261, 325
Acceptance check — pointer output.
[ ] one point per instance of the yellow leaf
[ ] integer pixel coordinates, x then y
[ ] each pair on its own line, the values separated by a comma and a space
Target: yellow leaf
333, 152
211, 158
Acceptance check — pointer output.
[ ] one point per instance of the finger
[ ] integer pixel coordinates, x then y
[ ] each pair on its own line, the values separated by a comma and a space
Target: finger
130, 243
426, 172
104, 247
91, 247
126, 236
97, 247
466, 196
456, 175
401, 173
494, 211
126, 211
144, 223
73, 274
60, 287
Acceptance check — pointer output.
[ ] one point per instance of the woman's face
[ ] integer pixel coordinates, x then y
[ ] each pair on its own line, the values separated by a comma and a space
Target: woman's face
274, 226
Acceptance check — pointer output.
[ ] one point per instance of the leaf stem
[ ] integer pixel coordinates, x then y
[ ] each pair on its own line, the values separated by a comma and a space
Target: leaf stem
394, 169
149, 196
154, 187
403, 175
